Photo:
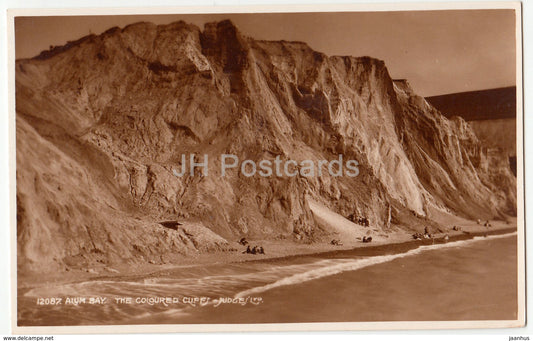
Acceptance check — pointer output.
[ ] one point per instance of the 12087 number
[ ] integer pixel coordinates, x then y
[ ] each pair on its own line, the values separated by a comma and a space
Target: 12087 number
49, 301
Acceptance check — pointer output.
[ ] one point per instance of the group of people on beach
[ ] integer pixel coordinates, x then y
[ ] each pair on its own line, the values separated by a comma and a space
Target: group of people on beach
256, 250
337, 242
366, 239
486, 224
359, 220
426, 235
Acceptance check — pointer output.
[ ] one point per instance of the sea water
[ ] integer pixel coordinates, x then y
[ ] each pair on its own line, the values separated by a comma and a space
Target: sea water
473, 279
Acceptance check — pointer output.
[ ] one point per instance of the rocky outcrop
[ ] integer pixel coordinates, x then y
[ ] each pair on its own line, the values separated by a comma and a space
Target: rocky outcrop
102, 124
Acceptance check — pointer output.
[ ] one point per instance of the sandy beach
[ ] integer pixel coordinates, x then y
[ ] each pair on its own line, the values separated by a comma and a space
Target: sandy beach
379, 282
398, 239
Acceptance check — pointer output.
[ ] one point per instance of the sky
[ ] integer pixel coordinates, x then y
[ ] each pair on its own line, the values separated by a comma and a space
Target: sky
438, 52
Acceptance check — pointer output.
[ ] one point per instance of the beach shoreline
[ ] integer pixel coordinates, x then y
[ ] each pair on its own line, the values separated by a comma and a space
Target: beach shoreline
276, 251
344, 281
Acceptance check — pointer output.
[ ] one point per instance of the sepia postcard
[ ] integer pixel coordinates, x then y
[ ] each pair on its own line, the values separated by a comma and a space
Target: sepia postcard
272, 168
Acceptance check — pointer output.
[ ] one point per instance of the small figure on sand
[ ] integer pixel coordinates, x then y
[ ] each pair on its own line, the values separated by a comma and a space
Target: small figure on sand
478, 221
243, 241
336, 242
427, 235
455, 228
446, 238
418, 236
367, 239
487, 224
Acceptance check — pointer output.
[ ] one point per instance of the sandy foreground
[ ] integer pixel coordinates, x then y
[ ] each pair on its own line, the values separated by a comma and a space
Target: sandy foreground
279, 248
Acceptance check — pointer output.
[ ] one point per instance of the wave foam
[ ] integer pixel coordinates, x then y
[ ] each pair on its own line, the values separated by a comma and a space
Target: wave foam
359, 264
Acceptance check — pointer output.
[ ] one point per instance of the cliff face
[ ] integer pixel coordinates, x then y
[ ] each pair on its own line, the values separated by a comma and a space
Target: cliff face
103, 121
492, 116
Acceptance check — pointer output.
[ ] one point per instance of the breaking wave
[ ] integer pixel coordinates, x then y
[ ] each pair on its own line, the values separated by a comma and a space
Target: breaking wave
359, 264
246, 279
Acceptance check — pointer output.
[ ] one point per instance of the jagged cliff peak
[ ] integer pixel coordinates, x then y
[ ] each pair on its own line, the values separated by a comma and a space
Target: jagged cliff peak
404, 86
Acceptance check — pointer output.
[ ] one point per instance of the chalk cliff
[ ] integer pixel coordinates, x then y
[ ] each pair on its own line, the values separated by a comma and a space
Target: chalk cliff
102, 121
